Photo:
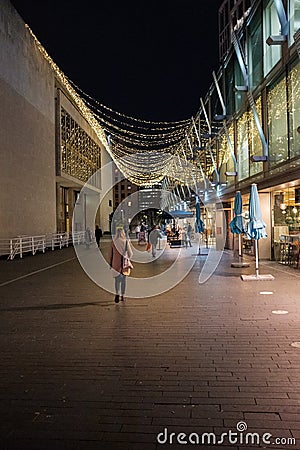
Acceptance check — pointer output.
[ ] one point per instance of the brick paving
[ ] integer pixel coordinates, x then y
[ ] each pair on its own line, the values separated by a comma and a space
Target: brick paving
81, 373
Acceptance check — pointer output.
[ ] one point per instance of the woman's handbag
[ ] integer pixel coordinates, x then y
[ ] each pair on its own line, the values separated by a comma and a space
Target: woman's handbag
126, 263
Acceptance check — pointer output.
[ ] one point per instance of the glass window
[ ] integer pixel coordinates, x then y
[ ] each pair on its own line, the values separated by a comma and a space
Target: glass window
229, 83
239, 81
243, 147
230, 163
286, 218
277, 123
294, 15
255, 144
80, 154
272, 53
294, 110
255, 51
226, 163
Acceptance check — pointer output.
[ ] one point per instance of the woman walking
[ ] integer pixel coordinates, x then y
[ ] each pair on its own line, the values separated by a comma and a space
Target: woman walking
119, 246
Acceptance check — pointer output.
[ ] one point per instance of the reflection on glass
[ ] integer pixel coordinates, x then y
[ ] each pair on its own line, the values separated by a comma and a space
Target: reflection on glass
294, 110
277, 123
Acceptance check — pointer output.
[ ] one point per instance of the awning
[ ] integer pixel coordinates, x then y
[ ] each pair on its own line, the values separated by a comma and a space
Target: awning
178, 214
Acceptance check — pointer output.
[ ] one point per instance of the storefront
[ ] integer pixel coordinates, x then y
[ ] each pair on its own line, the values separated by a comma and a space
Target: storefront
286, 223
280, 206
265, 245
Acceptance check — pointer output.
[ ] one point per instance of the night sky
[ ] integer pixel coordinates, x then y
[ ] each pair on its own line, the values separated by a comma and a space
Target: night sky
152, 60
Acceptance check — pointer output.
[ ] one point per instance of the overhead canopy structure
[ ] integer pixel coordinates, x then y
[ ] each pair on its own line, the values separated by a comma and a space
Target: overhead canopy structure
178, 214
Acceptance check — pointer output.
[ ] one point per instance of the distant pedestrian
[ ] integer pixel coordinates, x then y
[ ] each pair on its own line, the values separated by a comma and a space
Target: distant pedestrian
184, 238
118, 247
189, 234
98, 235
137, 230
154, 235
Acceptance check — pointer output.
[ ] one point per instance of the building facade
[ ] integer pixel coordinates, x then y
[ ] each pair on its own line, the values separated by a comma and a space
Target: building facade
49, 147
255, 99
134, 204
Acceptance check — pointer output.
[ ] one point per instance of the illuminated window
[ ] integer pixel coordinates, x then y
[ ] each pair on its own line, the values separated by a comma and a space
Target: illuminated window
255, 144
80, 155
243, 146
277, 123
294, 110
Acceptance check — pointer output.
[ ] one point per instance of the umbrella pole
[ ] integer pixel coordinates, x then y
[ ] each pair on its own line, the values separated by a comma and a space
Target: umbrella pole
240, 246
256, 257
240, 263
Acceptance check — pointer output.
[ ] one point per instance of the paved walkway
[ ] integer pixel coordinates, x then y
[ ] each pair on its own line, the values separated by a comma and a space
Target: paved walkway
81, 373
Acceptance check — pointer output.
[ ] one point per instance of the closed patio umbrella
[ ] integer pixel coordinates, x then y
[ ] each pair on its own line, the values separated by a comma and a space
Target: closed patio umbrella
199, 224
256, 230
237, 226
256, 226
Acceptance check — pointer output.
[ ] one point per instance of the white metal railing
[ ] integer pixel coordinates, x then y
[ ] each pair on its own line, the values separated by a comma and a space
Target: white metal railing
78, 237
59, 240
20, 245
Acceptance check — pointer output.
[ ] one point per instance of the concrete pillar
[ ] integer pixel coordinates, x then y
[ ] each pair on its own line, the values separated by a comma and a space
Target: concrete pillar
220, 229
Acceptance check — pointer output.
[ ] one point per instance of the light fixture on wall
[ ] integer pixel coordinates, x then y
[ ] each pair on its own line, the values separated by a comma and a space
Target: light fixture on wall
220, 117
231, 174
240, 88
276, 40
258, 158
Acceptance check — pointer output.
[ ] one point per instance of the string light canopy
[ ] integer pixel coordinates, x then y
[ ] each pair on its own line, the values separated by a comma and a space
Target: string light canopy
144, 151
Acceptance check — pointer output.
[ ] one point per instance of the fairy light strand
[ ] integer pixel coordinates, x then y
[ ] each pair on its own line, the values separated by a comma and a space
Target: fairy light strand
162, 140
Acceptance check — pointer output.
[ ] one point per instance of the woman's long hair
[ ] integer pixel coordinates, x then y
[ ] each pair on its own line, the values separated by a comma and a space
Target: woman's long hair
120, 233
